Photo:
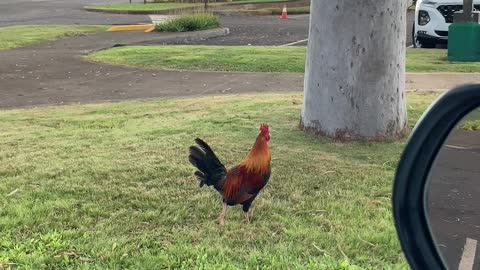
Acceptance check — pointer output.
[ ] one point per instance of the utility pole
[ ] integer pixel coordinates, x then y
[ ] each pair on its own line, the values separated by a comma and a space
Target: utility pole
468, 15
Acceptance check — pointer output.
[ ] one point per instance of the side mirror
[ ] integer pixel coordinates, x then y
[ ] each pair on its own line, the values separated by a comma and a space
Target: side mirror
436, 194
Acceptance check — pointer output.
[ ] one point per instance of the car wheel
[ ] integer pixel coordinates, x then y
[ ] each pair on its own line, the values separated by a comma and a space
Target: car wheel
420, 42
426, 43
414, 37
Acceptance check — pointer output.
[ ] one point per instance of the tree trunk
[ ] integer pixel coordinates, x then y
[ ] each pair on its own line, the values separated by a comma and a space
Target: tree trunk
355, 70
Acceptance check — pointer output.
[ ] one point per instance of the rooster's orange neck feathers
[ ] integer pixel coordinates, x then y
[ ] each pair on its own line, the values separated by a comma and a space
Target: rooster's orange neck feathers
258, 159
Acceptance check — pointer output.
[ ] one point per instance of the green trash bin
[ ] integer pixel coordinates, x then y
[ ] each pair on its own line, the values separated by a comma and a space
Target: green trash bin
464, 42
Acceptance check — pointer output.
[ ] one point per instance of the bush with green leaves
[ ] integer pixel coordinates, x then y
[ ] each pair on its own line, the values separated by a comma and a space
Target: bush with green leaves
191, 22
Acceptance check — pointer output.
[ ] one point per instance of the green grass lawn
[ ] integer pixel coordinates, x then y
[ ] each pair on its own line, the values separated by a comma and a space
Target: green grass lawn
266, 11
109, 186
436, 60
170, 5
144, 7
16, 36
254, 59
471, 121
472, 125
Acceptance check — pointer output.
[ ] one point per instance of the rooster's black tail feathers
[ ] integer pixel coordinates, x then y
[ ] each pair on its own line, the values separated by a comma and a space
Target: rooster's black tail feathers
210, 170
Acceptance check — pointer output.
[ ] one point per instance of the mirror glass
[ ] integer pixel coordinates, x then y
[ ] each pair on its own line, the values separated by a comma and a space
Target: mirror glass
453, 196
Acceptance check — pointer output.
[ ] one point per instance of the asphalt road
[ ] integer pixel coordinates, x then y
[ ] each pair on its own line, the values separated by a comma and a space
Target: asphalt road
25, 12
260, 31
254, 30
271, 30
454, 200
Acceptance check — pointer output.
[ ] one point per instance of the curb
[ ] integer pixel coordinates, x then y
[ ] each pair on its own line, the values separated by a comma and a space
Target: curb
136, 12
292, 12
256, 12
186, 36
242, 13
172, 11
204, 34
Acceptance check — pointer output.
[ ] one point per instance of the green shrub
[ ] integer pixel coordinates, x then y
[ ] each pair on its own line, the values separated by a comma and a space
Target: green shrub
191, 22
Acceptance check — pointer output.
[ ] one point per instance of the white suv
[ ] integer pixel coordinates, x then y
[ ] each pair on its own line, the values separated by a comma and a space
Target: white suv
432, 18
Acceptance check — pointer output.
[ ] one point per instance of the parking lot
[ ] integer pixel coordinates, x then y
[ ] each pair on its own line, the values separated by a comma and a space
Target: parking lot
254, 30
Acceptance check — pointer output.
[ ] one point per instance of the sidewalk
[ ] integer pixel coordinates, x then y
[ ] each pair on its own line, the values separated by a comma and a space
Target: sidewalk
439, 81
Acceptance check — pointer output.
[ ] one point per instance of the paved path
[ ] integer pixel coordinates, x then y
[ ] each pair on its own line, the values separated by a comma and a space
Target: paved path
439, 81
55, 73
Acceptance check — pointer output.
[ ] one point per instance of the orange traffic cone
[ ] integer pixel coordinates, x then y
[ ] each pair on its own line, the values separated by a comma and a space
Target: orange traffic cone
284, 12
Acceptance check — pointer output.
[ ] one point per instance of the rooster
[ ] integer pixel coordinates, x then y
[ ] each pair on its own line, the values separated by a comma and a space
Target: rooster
242, 183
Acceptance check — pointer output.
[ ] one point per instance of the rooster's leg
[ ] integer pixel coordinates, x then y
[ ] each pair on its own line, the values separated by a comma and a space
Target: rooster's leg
246, 207
221, 218
247, 220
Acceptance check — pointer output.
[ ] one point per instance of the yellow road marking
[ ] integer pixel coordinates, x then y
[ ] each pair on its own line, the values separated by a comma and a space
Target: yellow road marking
139, 27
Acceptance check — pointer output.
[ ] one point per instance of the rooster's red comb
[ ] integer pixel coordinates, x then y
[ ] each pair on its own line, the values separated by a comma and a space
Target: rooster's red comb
264, 128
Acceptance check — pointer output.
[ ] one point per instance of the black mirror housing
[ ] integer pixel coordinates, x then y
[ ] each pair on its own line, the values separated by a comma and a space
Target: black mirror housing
409, 190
